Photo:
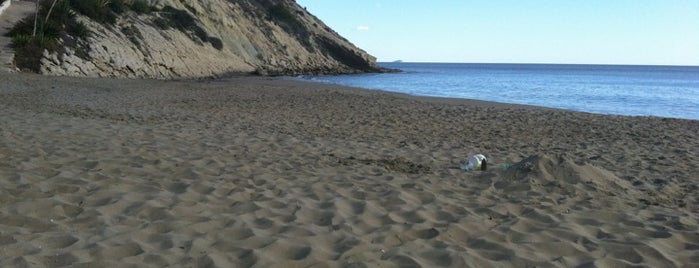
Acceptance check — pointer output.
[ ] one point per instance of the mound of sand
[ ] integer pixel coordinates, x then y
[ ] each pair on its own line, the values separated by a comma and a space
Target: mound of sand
558, 180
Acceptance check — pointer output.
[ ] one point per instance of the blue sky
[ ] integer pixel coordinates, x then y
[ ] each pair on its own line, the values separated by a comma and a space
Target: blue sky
648, 32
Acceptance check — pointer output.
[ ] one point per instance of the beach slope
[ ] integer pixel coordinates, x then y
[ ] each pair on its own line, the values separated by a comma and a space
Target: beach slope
265, 172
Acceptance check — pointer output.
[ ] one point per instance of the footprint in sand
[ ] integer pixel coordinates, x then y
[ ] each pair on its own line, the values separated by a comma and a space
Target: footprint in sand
283, 249
116, 252
55, 242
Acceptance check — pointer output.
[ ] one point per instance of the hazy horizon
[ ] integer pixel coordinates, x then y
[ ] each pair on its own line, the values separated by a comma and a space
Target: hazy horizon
533, 63
622, 32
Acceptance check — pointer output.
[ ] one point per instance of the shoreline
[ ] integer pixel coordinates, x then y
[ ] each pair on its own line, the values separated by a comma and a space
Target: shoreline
682, 108
261, 171
481, 103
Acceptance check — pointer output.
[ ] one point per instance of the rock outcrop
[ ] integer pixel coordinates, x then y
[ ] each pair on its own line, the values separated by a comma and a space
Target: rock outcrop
188, 39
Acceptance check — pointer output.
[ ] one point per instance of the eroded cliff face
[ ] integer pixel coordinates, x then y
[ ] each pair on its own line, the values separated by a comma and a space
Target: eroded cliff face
189, 39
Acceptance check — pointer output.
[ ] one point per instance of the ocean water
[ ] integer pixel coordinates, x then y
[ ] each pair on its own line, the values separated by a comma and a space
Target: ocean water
664, 91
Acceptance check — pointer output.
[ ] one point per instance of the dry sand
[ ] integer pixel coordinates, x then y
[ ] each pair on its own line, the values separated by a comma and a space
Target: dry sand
271, 173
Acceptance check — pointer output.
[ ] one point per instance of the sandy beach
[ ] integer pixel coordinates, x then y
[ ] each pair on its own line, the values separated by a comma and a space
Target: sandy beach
266, 172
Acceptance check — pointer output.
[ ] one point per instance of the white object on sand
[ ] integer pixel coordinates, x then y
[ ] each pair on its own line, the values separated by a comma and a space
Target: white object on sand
477, 161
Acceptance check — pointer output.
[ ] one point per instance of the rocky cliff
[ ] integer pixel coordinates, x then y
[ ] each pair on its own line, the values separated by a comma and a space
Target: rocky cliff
189, 38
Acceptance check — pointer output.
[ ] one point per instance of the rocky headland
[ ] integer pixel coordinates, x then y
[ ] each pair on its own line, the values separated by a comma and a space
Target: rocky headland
168, 39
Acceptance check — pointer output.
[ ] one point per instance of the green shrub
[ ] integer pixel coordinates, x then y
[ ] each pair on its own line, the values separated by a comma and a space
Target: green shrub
98, 10
30, 49
41, 41
183, 21
78, 29
21, 40
140, 6
179, 19
117, 6
50, 28
60, 20
23, 27
46, 42
281, 13
45, 29
61, 13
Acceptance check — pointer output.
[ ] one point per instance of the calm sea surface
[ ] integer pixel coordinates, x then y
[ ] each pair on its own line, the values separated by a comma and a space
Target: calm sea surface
666, 91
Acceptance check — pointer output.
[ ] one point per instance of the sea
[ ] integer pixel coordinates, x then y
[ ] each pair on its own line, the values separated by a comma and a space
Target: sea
661, 91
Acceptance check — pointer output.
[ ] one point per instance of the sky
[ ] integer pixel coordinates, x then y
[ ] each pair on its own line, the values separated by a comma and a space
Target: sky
636, 32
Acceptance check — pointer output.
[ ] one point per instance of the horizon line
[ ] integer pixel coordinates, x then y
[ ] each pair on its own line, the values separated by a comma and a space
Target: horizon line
541, 63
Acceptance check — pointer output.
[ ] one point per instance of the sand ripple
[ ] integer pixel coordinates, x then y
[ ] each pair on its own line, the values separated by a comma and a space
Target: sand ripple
267, 173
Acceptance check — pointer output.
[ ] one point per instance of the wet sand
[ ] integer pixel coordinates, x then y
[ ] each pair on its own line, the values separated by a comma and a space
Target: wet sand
266, 172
